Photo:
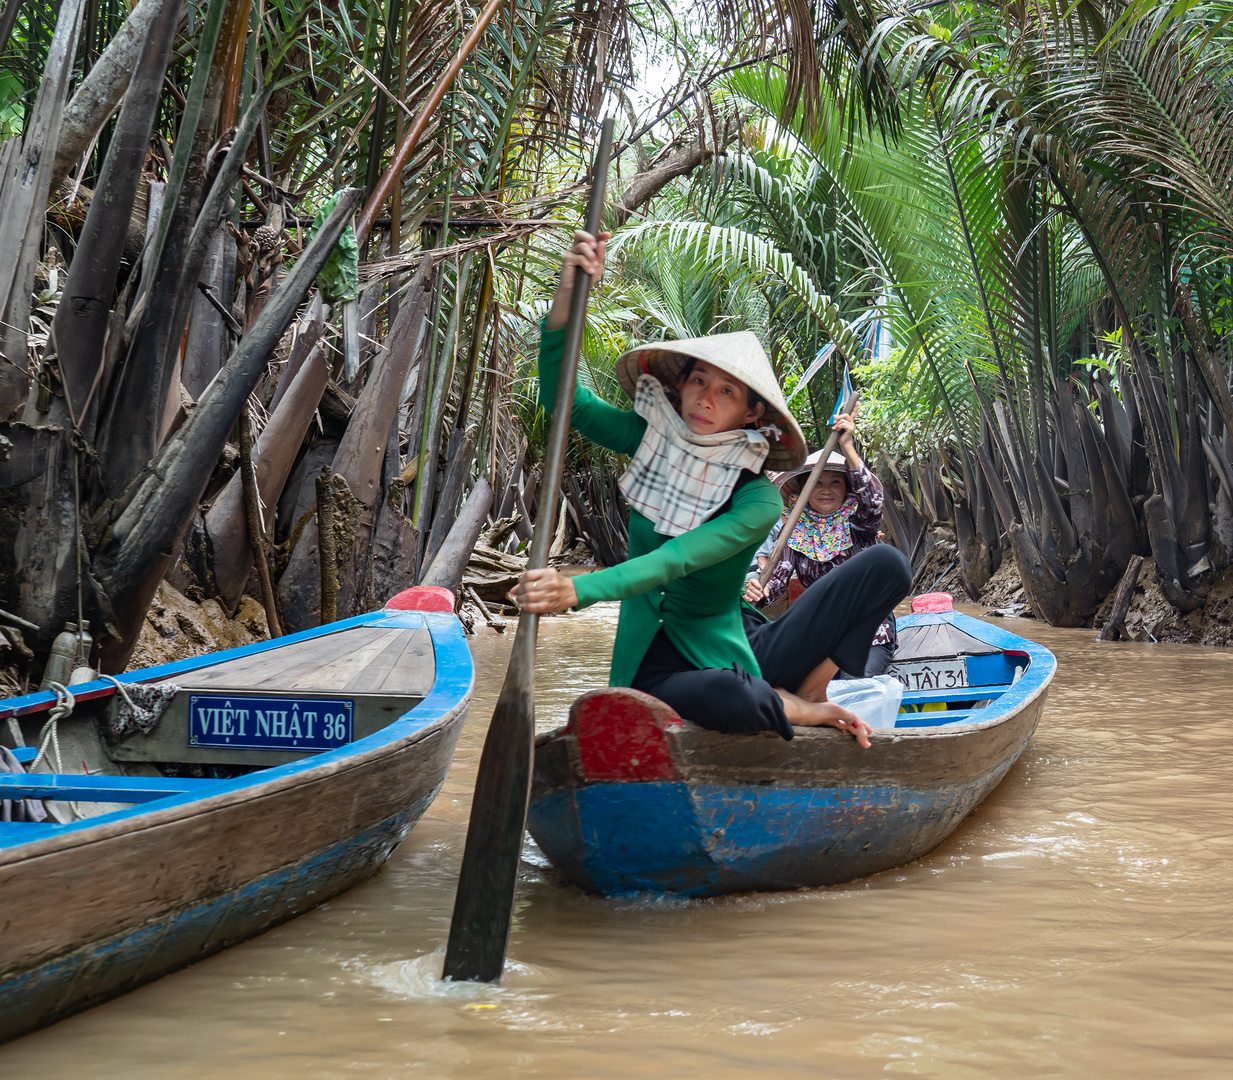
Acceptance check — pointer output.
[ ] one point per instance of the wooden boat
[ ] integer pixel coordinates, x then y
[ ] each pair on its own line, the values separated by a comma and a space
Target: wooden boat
279, 775
626, 797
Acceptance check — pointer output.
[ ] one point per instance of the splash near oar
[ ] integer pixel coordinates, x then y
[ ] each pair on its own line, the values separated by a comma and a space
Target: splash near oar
484, 903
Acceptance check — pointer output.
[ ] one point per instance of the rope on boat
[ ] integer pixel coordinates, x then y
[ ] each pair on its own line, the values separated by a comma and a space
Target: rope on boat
123, 692
144, 717
51, 734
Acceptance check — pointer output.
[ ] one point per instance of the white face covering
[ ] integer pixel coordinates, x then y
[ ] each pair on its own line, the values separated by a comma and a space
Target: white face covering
678, 479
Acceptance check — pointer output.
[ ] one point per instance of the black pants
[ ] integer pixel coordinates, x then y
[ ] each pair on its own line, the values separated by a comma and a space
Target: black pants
835, 619
880, 657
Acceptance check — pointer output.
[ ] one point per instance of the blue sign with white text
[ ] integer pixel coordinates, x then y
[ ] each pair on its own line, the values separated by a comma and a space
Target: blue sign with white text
236, 722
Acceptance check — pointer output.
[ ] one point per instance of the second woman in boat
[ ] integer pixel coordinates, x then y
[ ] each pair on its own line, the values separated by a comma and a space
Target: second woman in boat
708, 417
842, 519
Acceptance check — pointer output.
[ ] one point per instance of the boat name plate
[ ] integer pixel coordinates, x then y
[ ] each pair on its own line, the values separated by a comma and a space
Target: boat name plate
932, 674
237, 722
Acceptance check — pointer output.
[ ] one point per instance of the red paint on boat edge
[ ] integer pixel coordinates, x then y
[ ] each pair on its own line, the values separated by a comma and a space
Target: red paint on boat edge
933, 602
620, 735
422, 598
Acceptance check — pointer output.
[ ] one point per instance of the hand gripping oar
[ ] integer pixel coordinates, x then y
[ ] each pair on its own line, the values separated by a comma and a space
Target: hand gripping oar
802, 500
484, 903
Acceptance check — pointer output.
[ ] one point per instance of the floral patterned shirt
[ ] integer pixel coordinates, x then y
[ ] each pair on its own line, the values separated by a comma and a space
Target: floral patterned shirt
864, 524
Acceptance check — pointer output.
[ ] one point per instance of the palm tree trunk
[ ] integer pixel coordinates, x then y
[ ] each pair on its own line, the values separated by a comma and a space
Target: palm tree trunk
8, 19
102, 89
80, 323
358, 463
137, 550
139, 390
23, 197
274, 456
444, 378
204, 344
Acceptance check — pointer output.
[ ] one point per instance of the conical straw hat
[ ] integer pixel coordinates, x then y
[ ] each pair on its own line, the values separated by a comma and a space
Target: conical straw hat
740, 355
792, 482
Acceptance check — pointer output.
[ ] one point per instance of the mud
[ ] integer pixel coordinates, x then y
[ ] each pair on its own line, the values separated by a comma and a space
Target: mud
1151, 618
177, 628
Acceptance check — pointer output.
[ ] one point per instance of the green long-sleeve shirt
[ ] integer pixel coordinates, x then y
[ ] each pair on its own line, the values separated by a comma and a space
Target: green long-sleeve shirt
690, 585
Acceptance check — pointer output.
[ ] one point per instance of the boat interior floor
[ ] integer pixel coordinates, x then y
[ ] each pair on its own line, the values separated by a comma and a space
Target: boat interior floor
268, 707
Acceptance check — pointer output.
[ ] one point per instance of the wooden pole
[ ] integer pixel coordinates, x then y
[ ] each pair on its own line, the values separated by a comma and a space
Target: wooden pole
1122, 598
256, 529
484, 903
325, 546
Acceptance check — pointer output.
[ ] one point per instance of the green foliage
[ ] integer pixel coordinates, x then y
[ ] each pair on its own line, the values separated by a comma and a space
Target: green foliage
890, 419
11, 91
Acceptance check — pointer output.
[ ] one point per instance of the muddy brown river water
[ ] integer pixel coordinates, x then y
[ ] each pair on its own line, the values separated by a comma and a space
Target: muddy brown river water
1079, 924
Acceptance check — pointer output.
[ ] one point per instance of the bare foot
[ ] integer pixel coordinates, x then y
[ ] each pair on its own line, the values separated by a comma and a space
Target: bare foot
802, 713
815, 684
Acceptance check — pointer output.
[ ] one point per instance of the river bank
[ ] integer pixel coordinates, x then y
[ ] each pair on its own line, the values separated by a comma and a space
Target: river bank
1151, 617
177, 627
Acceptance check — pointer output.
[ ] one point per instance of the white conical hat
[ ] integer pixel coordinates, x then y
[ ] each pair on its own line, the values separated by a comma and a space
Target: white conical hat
740, 355
792, 482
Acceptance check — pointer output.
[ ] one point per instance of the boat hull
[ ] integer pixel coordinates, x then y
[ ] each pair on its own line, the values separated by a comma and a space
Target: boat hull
708, 839
704, 814
137, 895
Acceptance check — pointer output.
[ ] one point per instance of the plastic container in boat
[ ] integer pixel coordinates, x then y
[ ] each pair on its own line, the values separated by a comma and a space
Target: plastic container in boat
875, 700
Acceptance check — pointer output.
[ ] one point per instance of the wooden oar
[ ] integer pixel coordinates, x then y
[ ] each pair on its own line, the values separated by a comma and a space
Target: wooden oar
484, 903
802, 499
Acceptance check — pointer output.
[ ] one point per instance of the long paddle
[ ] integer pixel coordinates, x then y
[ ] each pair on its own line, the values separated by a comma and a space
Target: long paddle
802, 499
484, 903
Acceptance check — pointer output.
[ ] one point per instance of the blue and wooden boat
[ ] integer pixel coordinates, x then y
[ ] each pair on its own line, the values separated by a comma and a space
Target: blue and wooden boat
626, 797
279, 775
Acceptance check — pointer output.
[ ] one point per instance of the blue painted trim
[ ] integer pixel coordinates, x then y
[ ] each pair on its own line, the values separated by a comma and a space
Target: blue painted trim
991, 669
21, 832
1040, 668
713, 838
938, 719
959, 693
19, 706
25, 754
454, 677
945, 715
64, 786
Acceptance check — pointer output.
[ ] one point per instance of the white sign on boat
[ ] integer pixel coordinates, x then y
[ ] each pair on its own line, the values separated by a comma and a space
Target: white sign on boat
932, 674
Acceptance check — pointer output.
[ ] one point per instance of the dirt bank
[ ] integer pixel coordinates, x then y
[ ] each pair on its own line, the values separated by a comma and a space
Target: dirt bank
1151, 616
177, 628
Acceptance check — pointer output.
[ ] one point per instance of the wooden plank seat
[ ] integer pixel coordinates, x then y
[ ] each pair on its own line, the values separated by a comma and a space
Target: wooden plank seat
359, 660
25, 754
377, 673
959, 693
936, 719
121, 789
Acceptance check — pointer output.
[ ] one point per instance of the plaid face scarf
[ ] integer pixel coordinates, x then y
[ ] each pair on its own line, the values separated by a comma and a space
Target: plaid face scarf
821, 537
678, 479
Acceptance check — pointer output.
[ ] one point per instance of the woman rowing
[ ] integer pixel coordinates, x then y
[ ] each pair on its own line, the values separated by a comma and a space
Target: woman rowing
708, 417
842, 519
